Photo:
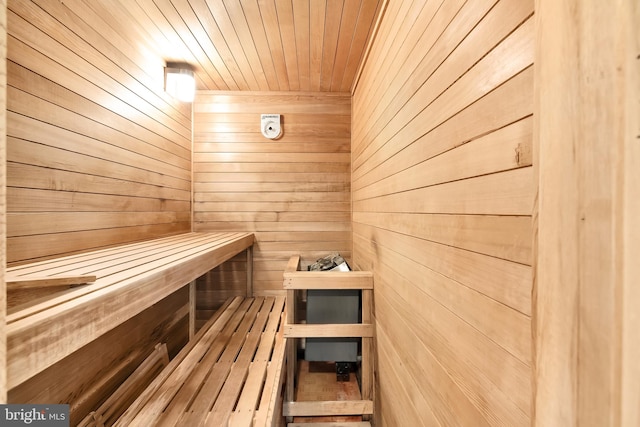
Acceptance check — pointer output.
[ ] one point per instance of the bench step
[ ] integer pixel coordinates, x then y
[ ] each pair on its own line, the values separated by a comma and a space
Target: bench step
333, 424
328, 408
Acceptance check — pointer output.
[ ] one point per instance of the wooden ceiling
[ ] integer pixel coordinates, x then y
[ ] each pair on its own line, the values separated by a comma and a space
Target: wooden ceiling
260, 45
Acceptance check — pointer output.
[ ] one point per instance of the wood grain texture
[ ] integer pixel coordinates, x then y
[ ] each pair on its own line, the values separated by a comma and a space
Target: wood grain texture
227, 362
101, 366
97, 153
443, 193
587, 225
3, 199
293, 192
131, 278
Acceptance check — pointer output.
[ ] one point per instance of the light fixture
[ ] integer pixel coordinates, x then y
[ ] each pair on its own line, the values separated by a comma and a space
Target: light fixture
179, 81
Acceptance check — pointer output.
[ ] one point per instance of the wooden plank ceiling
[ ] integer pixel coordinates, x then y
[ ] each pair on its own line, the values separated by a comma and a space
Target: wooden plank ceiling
258, 45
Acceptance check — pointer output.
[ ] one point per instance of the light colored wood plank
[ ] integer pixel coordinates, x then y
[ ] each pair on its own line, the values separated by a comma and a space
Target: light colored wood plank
332, 424
328, 331
585, 349
505, 193
89, 77
155, 397
271, 405
326, 408
264, 179
235, 382
330, 41
212, 387
268, 60
36, 200
506, 282
261, 372
302, 30
480, 399
413, 407
249, 44
269, 15
368, 348
3, 199
113, 406
475, 38
249, 263
506, 237
504, 149
192, 309
328, 280
144, 287
292, 359
51, 281
288, 38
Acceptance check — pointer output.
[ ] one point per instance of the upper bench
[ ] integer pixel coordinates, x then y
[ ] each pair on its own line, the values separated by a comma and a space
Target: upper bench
124, 281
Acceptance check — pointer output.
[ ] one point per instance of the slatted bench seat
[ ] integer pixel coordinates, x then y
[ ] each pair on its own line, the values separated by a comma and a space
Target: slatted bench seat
230, 373
123, 281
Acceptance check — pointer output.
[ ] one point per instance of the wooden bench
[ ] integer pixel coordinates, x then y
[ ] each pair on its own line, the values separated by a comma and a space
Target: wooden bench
230, 373
115, 284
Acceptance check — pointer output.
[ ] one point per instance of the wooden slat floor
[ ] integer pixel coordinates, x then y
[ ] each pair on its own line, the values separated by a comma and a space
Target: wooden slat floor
229, 370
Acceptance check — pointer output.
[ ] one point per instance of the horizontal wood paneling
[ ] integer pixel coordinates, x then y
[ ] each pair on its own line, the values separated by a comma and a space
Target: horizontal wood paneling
3, 199
97, 153
443, 191
293, 192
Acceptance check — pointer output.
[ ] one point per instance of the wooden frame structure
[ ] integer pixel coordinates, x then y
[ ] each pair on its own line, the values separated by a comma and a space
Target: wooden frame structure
295, 280
128, 279
231, 373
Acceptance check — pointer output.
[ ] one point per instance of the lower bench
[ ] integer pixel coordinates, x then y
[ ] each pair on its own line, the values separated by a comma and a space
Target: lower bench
231, 373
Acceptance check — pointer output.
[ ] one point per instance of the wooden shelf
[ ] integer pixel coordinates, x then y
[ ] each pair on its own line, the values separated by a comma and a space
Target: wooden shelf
294, 280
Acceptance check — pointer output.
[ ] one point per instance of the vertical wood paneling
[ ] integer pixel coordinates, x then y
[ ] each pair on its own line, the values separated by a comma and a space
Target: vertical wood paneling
293, 192
443, 191
587, 148
3, 199
97, 153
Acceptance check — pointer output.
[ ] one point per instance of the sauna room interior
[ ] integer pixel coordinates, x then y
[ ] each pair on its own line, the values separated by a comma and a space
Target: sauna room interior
478, 160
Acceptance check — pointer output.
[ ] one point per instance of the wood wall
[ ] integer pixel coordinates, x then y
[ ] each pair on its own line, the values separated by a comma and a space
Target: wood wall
97, 153
443, 191
587, 141
3, 200
293, 192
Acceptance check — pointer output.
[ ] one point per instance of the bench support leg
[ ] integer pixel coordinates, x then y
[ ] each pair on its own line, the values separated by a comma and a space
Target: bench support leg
249, 272
192, 309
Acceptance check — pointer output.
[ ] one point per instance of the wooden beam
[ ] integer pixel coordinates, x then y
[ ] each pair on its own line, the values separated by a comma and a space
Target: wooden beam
192, 309
333, 424
328, 331
3, 203
367, 346
291, 344
328, 408
586, 146
48, 282
328, 280
249, 272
